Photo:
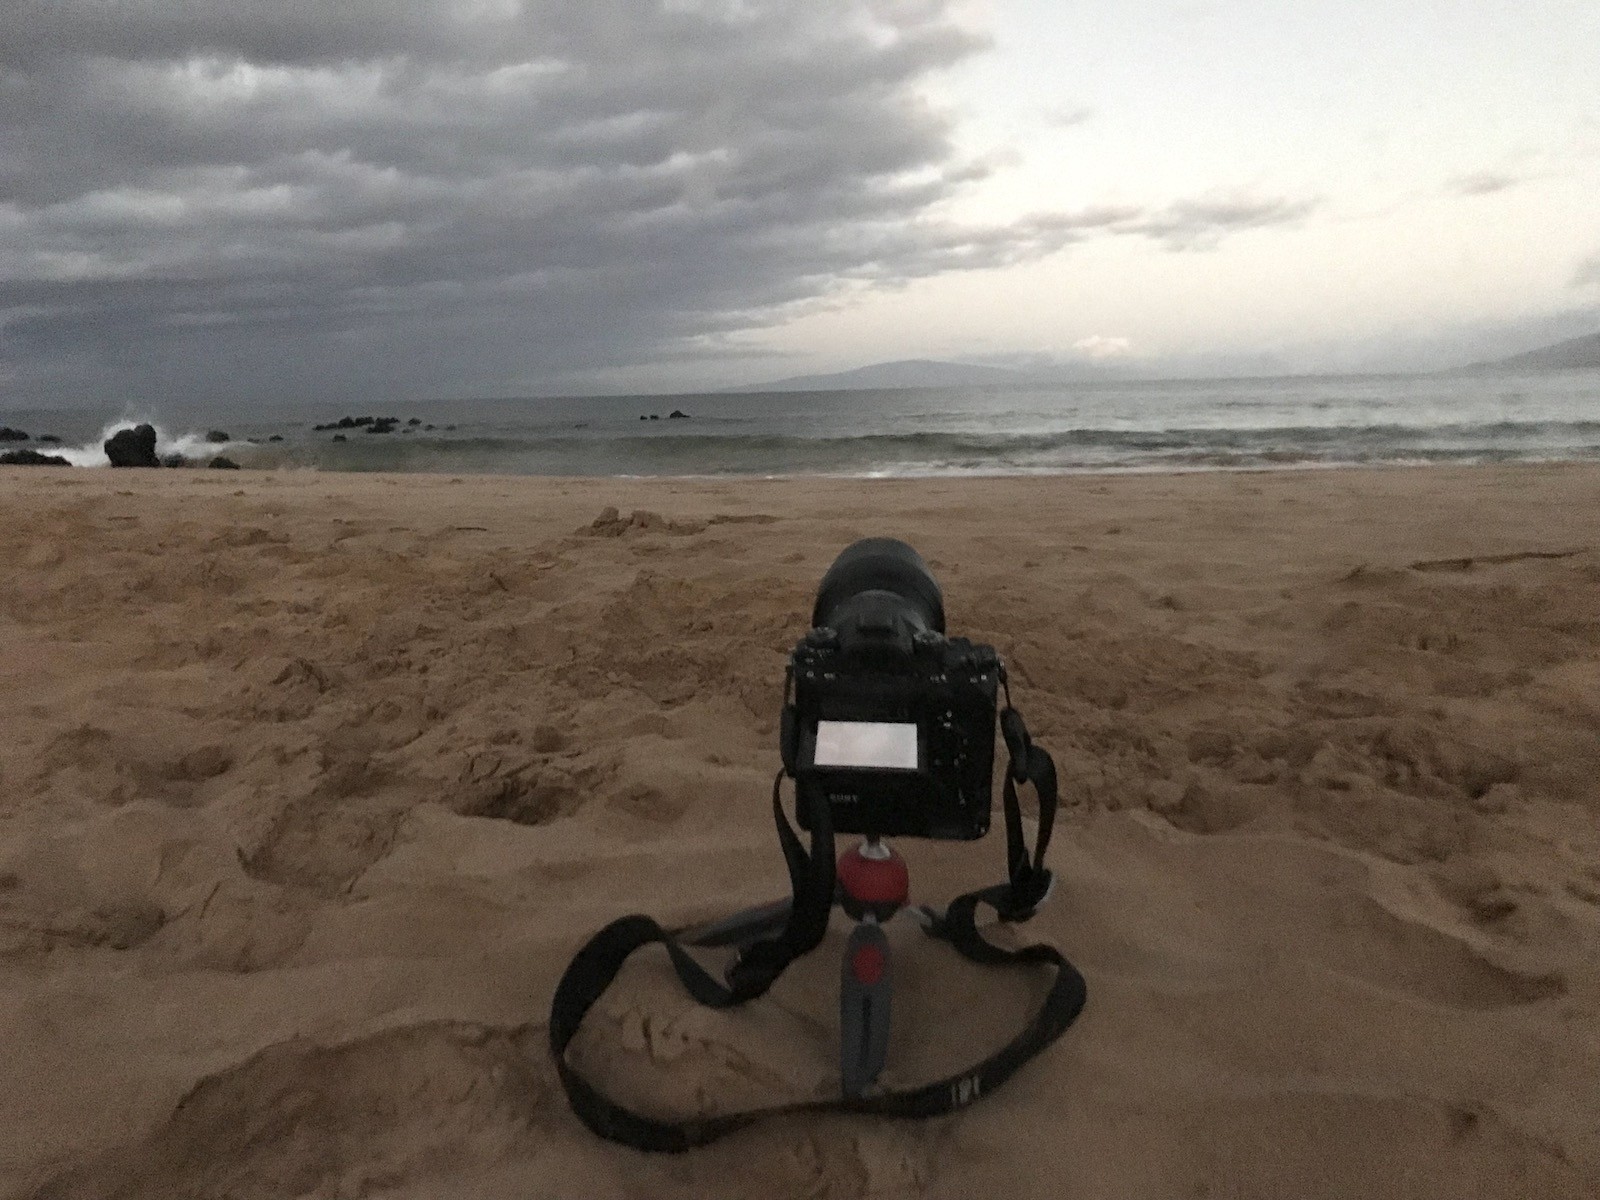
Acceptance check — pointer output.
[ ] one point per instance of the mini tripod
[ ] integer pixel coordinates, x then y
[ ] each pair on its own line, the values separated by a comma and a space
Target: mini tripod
873, 885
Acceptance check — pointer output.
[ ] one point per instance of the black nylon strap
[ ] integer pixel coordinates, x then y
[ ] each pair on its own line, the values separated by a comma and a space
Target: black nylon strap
811, 879
1029, 881
812, 875
599, 961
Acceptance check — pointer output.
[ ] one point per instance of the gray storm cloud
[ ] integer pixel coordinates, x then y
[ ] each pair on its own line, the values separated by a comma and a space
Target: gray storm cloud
252, 198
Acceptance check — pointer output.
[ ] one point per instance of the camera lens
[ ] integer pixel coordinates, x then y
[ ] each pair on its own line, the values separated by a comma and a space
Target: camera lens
880, 565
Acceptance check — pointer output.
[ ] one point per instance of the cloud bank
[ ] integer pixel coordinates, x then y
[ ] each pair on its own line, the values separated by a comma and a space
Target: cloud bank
242, 198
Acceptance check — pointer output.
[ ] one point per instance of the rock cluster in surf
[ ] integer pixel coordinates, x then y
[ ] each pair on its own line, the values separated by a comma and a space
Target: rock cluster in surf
31, 458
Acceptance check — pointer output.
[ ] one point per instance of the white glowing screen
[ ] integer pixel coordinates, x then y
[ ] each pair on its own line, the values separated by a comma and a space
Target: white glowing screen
866, 744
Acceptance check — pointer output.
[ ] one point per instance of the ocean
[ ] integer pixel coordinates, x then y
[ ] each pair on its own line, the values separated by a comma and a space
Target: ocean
1178, 425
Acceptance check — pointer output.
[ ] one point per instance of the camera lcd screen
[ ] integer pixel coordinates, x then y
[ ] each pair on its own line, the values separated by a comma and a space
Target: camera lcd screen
881, 744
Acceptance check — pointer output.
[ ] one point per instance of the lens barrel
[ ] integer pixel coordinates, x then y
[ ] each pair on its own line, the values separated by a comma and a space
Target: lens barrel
880, 565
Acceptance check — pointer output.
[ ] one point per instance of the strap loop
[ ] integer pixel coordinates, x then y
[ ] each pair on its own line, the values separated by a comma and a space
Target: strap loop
1015, 733
1028, 880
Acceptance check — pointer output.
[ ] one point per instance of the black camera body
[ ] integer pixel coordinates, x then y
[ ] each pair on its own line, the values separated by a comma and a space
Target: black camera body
892, 724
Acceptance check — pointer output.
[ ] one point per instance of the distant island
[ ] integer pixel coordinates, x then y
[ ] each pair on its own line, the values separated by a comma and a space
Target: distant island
907, 373
934, 373
1575, 354
1571, 355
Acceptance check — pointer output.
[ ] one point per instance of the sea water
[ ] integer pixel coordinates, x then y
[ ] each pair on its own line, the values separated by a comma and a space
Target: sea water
1100, 426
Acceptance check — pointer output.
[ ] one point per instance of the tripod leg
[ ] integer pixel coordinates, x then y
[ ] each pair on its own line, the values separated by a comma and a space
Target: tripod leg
864, 991
741, 928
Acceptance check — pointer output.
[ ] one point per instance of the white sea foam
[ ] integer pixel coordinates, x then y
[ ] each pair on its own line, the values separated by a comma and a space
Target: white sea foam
1172, 425
93, 454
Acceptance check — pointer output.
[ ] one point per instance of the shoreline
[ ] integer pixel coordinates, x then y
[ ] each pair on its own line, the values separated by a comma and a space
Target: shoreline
916, 434
199, 463
290, 470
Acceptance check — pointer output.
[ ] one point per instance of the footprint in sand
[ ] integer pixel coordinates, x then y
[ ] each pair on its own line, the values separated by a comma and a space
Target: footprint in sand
1399, 953
299, 1118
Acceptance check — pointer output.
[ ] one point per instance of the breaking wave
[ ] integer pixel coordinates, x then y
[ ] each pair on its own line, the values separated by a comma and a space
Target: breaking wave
1152, 426
189, 445
940, 452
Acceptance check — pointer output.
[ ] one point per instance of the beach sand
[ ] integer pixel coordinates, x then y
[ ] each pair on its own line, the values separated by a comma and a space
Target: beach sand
310, 786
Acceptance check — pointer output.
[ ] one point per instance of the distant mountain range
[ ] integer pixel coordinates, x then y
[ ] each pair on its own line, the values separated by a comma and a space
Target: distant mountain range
907, 373
1572, 354
931, 373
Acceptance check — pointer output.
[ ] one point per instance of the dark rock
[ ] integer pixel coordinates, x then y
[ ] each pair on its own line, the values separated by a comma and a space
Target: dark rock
428, 428
642, 417
133, 447
677, 414
414, 421
51, 438
32, 458
174, 460
383, 425
277, 437
450, 428
339, 437
655, 416
8, 434
221, 463
216, 435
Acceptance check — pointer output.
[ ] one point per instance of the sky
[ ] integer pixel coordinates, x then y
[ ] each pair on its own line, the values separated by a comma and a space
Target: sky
293, 200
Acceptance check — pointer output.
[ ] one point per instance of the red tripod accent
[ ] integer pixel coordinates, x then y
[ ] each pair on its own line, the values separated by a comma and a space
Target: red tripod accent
873, 878
874, 884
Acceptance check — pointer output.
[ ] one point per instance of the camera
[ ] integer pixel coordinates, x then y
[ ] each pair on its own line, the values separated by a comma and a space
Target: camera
891, 724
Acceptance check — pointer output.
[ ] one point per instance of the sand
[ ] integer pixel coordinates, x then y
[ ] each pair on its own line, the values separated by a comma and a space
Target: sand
310, 785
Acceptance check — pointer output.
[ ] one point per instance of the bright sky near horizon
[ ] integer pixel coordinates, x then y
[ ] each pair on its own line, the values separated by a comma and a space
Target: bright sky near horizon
247, 198
1437, 168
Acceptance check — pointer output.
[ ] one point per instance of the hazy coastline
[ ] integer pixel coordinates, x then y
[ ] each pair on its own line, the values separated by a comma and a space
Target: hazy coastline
1172, 425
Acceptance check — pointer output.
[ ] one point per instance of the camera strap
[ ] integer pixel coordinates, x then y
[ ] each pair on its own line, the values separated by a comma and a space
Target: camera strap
804, 921
1029, 882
